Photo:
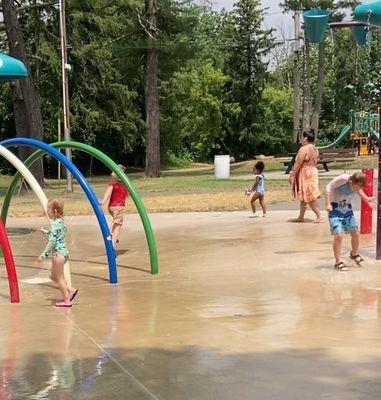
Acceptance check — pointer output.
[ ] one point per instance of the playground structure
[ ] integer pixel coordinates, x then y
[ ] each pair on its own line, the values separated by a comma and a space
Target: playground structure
4, 242
11, 68
367, 17
364, 131
364, 126
361, 133
52, 150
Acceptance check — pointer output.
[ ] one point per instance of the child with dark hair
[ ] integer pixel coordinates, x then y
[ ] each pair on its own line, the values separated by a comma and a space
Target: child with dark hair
257, 191
304, 177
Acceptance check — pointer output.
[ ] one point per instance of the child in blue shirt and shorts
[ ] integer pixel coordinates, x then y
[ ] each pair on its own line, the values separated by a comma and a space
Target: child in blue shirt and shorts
339, 193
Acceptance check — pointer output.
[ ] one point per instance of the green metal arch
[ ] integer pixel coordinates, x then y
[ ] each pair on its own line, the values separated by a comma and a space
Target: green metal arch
113, 167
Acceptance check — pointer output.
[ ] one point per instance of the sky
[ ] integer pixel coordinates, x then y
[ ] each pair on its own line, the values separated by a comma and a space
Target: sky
274, 18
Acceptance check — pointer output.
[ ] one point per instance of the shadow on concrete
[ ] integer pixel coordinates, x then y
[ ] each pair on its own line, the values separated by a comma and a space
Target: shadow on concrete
19, 231
105, 265
18, 265
190, 373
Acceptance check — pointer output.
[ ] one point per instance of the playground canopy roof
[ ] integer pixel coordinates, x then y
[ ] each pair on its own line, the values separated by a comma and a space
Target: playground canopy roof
10, 68
369, 13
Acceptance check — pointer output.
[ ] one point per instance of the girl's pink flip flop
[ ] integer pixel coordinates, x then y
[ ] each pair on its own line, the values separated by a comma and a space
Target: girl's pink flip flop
63, 304
72, 295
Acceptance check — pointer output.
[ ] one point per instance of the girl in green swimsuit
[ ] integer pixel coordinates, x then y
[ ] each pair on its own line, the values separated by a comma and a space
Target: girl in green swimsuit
57, 250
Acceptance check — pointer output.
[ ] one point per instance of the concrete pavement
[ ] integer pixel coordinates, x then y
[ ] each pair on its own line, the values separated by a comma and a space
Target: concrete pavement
243, 308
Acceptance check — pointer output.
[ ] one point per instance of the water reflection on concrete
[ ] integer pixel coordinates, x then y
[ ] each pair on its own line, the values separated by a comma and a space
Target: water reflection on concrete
241, 309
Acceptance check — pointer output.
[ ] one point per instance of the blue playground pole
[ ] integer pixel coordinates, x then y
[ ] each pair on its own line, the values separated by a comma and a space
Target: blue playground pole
86, 188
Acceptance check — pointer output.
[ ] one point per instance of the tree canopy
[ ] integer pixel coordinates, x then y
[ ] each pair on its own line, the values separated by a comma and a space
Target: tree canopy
216, 90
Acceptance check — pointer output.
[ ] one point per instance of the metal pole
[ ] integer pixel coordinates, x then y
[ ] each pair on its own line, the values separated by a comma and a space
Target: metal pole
378, 228
296, 116
59, 164
65, 89
366, 209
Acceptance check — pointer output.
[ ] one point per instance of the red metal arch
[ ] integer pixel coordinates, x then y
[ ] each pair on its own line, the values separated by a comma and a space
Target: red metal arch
9, 264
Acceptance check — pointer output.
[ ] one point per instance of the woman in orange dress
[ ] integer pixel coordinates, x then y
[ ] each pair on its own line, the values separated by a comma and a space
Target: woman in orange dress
305, 179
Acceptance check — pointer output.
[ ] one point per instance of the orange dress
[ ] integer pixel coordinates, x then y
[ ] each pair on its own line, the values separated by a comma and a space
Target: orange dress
305, 177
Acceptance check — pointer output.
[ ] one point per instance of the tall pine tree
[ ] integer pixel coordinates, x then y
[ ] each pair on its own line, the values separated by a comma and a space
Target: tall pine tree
248, 44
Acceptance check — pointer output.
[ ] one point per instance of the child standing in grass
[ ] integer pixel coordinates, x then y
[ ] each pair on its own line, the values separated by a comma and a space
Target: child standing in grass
258, 189
57, 250
339, 193
115, 198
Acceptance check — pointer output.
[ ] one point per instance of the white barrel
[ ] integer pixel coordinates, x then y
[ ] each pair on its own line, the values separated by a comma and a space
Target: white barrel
222, 167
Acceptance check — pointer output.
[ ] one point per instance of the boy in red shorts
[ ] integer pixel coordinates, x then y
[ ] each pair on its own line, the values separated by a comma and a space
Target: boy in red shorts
115, 198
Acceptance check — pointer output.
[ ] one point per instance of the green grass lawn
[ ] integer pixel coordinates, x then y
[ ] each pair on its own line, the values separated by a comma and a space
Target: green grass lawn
191, 189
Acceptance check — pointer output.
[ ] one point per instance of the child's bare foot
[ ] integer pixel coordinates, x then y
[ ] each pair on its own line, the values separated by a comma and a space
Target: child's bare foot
297, 220
318, 220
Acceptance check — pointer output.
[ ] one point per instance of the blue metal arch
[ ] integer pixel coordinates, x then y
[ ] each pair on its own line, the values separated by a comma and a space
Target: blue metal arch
86, 188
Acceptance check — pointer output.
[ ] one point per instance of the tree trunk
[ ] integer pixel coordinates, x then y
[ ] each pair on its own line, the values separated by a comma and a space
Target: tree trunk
307, 87
26, 106
319, 89
152, 94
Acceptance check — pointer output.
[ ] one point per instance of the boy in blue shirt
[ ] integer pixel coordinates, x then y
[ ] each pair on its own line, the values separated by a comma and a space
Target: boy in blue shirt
339, 193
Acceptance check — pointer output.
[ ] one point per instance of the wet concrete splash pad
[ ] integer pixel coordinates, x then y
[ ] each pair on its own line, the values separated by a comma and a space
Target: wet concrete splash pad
243, 308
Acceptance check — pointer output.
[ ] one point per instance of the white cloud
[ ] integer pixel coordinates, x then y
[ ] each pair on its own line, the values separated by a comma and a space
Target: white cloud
274, 18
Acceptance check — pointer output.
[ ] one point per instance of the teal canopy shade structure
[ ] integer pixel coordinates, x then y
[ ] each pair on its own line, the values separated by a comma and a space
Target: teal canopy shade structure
362, 34
315, 24
10, 68
369, 13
